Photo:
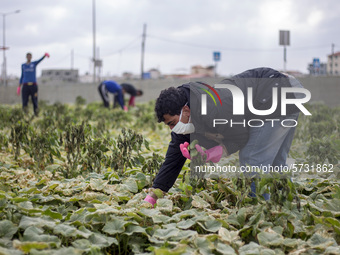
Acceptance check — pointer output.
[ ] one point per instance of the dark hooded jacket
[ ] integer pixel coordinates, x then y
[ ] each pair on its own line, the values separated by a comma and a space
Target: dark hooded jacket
261, 80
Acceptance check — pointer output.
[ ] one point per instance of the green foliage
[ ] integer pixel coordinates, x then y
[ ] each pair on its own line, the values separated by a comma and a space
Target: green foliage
73, 180
80, 101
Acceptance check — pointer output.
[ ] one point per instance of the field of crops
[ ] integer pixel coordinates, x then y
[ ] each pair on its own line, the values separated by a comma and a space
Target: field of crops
73, 180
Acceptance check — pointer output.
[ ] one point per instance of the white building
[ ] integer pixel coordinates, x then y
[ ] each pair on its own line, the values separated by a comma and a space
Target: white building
61, 74
333, 64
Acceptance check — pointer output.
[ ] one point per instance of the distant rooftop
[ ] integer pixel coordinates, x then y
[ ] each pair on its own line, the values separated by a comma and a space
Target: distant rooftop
335, 54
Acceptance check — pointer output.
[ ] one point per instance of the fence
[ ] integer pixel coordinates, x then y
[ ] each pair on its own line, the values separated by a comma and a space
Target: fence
323, 89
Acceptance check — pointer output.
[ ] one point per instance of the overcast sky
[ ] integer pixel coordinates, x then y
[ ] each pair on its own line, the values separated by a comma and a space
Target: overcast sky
180, 33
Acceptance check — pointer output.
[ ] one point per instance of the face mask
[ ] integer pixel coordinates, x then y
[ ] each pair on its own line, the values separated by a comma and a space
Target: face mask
183, 128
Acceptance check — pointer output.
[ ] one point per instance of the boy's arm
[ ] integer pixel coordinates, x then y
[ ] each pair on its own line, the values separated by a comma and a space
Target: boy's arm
173, 163
22, 75
39, 60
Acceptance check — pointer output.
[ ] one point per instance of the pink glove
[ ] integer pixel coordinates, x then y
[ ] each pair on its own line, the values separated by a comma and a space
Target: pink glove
214, 154
184, 150
150, 199
18, 91
47, 55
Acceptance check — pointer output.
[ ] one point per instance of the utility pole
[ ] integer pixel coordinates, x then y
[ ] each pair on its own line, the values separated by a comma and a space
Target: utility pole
99, 63
143, 48
4, 48
284, 40
94, 38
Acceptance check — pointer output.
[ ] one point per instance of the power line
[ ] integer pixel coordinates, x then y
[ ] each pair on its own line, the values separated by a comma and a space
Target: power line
310, 47
212, 47
60, 59
127, 46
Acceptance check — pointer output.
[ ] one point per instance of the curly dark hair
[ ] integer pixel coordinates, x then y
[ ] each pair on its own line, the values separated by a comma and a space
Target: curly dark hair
170, 101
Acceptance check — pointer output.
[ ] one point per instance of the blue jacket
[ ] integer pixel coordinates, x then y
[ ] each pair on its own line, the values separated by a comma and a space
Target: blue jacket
28, 71
115, 88
112, 86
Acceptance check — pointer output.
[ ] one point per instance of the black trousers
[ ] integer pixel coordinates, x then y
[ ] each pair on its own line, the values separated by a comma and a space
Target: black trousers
104, 94
30, 91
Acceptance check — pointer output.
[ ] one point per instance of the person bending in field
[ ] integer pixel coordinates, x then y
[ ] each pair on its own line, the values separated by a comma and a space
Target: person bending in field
180, 109
28, 81
113, 87
132, 91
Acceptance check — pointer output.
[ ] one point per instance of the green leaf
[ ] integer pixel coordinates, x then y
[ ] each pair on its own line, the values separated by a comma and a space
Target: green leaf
333, 221
131, 185
82, 244
148, 212
228, 236
211, 225
131, 229
270, 238
65, 230
53, 186
26, 222
19, 199
97, 184
7, 229
232, 219
91, 196
158, 192
34, 234
62, 251
204, 245
141, 180
26, 247
225, 249
114, 227
102, 241
27, 205
290, 242
185, 234
317, 241
254, 249
84, 232
178, 250
4, 251
241, 216
164, 205
70, 231
146, 144
166, 233
185, 224
53, 215
199, 202
160, 218
333, 250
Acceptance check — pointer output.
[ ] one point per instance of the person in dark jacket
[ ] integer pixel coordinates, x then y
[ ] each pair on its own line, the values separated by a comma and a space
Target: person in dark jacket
132, 91
28, 81
266, 143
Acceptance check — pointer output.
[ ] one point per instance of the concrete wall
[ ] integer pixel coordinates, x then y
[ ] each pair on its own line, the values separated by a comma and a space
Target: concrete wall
323, 89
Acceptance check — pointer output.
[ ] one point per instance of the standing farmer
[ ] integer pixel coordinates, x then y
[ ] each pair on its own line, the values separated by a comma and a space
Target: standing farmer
28, 81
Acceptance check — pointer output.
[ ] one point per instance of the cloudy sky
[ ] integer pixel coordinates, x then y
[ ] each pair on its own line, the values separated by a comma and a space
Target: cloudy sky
180, 33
